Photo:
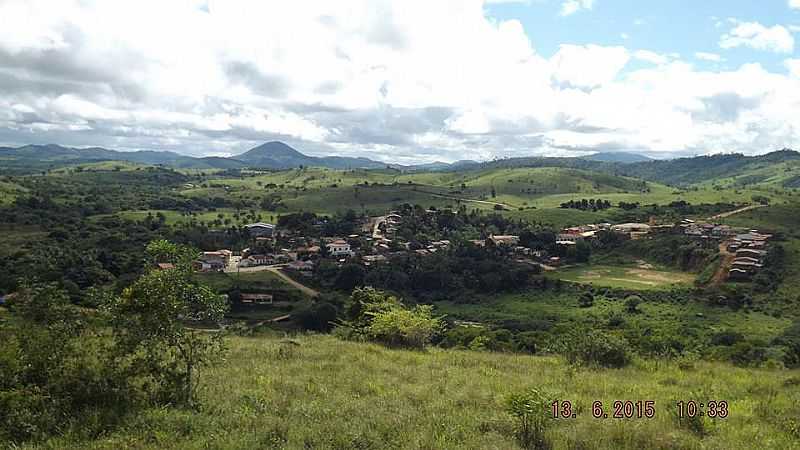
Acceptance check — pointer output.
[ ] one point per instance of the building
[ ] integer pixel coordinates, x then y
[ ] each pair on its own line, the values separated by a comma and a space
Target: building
257, 260
258, 299
373, 259
631, 228
301, 266
505, 240
261, 229
214, 261
338, 248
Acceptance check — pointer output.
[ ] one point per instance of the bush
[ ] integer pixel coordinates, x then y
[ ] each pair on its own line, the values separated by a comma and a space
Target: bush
727, 338
597, 348
586, 300
632, 303
748, 354
530, 411
401, 327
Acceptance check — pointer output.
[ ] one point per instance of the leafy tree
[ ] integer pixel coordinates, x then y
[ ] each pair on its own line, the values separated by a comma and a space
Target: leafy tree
586, 300
153, 321
632, 303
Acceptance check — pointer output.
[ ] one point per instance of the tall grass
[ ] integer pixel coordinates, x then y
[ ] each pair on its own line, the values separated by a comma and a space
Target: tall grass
315, 391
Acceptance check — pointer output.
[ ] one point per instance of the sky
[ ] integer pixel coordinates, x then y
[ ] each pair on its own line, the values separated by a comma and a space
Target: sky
406, 81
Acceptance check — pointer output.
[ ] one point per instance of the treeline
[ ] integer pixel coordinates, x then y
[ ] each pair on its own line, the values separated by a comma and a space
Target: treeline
587, 205
74, 370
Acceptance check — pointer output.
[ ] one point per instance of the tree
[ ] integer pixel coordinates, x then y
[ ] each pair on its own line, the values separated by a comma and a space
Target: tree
152, 322
632, 303
586, 300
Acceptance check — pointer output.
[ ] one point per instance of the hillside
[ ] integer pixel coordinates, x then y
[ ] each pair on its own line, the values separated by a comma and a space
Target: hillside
316, 391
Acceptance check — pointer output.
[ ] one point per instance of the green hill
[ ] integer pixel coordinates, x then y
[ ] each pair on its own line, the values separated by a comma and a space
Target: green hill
319, 392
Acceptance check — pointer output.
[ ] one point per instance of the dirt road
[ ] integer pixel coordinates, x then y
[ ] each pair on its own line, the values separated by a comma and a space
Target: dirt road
303, 288
276, 270
726, 259
735, 211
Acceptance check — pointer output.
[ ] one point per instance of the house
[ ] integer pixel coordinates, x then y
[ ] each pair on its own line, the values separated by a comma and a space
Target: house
257, 260
165, 266
504, 240
478, 242
258, 299
301, 266
260, 229
338, 248
569, 237
738, 274
554, 261
749, 252
215, 260
634, 230
373, 259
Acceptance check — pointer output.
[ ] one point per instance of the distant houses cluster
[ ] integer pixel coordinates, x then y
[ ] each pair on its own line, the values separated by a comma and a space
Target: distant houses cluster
749, 249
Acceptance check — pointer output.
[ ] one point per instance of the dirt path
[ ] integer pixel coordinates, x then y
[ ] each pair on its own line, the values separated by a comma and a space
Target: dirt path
735, 211
470, 200
276, 270
303, 288
726, 259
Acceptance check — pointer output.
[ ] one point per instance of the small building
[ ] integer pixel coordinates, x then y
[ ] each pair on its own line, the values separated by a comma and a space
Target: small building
301, 266
257, 299
737, 274
570, 237
631, 228
508, 240
750, 252
338, 248
210, 261
261, 229
165, 266
370, 260
257, 260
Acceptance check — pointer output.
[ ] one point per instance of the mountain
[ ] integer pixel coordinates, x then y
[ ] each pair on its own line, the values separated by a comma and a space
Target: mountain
685, 171
277, 155
619, 157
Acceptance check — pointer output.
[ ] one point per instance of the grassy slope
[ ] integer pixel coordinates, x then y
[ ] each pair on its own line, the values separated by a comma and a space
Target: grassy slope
326, 393
563, 311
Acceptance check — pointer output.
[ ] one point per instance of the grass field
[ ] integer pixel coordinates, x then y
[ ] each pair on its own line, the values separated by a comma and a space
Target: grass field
319, 392
626, 277
564, 314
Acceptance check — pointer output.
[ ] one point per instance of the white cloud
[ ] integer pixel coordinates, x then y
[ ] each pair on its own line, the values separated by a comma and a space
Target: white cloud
625, 36
587, 66
754, 35
794, 67
651, 57
794, 4
569, 7
406, 80
706, 56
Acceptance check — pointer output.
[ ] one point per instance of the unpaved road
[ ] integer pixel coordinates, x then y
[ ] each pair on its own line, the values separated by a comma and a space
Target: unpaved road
276, 270
735, 211
726, 259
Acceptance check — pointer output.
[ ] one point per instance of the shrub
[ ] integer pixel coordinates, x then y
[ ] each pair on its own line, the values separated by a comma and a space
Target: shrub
597, 348
747, 353
727, 338
586, 300
530, 412
401, 327
632, 303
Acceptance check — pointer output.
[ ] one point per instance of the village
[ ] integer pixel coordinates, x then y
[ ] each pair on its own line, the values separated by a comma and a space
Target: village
742, 251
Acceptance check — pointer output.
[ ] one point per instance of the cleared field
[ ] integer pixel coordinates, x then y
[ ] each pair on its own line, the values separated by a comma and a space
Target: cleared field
637, 277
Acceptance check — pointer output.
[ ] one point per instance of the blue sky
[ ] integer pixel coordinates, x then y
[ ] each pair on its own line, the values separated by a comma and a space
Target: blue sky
663, 26
407, 81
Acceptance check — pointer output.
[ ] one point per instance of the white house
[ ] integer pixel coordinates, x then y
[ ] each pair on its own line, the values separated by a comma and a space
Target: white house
339, 248
260, 229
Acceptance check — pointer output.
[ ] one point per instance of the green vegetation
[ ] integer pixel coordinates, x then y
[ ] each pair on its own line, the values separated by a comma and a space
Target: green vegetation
322, 392
625, 277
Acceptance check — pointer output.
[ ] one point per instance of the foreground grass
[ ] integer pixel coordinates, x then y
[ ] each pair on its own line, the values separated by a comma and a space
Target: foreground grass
320, 392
